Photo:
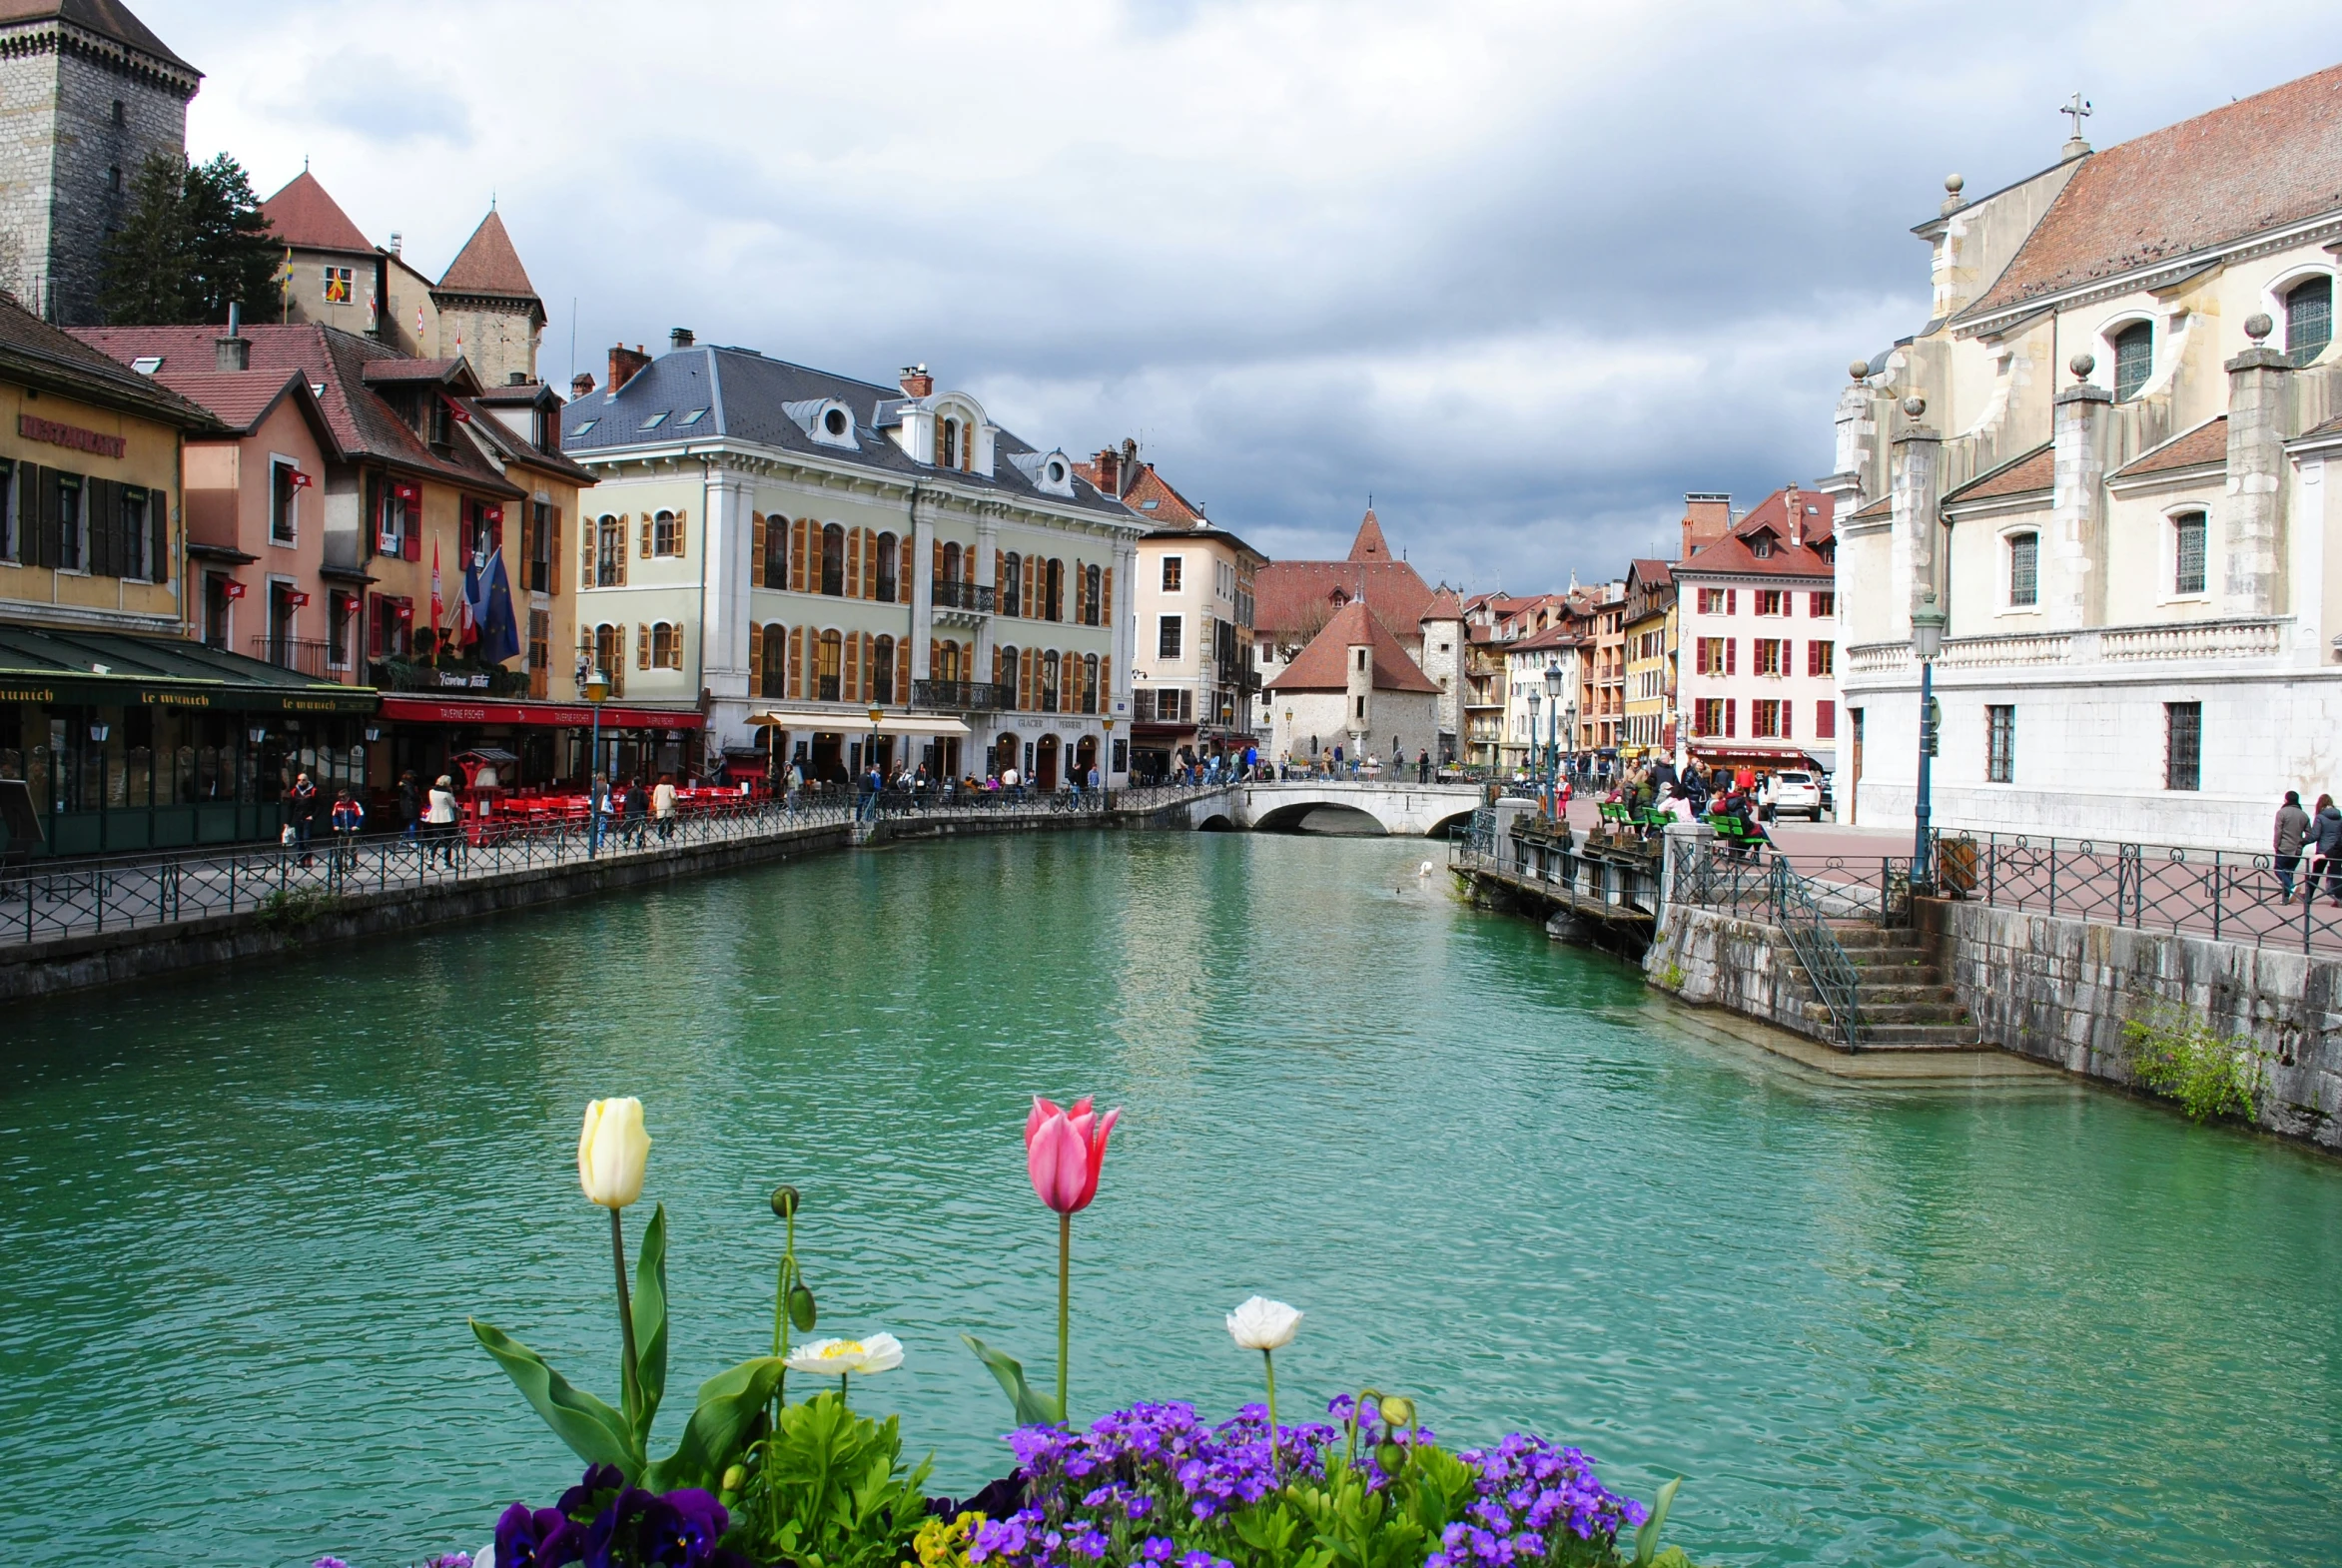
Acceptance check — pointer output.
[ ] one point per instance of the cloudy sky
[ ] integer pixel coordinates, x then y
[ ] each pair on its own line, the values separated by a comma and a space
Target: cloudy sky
1523, 273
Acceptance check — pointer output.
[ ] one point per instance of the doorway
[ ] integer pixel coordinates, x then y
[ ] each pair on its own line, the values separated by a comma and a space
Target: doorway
1085, 758
1044, 764
1005, 754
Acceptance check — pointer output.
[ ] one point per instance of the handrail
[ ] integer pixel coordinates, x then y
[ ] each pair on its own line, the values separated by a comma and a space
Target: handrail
1834, 976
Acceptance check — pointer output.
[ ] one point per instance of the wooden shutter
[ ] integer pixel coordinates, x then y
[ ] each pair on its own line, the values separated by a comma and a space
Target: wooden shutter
585, 563
1025, 604
853, 563
97, 549
850, 669
1106, 597
649, 521
1730, 705
623, 552
903, 672
1730, 655
797, 556
1105, 691
1029, 678
52, 524
682, 532
158, 552
642, 646
1786, 708
796, 661
552, 551
938, 574
755, 657
869, 667
903, 577
756, 550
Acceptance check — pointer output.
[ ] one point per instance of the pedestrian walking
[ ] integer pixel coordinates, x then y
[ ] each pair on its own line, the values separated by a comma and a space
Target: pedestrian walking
442, 820
410, 804
300, 812
662, 805
2292, 832
349, 816
2326, 826
638, 812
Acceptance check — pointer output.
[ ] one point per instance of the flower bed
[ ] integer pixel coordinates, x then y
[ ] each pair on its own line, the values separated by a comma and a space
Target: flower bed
759, 1480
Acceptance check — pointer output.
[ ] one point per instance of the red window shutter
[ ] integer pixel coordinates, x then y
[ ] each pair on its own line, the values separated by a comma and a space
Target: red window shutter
1786, 727
1730, 714
1730, 655
1824, 721
410, 548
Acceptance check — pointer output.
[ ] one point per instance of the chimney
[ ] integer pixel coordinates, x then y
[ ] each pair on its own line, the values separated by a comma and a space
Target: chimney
517, 378
396, 241
917, 382
624, 362
1109, 473
1793, 507
1130, 466
233, 352
580, 385
1706, 517
678, 338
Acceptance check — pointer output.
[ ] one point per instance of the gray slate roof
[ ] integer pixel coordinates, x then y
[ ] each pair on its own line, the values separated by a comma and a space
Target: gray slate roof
746, 396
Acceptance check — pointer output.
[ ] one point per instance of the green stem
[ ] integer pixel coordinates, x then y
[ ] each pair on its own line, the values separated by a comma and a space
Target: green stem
841, 1391
1065, 1307
629, 1379
1269, 1362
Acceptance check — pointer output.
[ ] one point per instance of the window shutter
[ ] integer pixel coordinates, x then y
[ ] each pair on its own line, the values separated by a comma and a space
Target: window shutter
938, 574
1730, 655
647, 524
870, 669
1106, 596
554, 551
1106, 687
97, 555
1785, 707
1026, 603
623, 552
411, 546
853, 563
590, 535
49, 526
642, 646
797, 539
903, 672
756, 550
870, 563
850, 669
756, 655
158, 552
683, 531
904, 571
1730, 714
796, 661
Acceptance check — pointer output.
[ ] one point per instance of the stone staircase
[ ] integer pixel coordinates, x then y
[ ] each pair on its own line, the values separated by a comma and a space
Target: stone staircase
1906, 1004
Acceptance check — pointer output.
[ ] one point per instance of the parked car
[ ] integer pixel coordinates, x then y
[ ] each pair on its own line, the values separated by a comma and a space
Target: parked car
1794, 794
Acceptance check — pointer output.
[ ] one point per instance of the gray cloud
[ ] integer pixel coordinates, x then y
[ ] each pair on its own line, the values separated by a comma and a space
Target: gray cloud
1525, 272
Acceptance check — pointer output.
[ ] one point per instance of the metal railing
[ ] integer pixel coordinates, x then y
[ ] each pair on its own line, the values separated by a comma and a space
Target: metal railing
2228, 895
477, 679
303, 656
1835, 979
964, 696
293, 884
951, 596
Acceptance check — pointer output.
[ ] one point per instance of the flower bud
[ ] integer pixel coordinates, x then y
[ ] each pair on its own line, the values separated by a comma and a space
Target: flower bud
801, 1308
784, 1202
1399, 1410
1391, 1458
611, 1150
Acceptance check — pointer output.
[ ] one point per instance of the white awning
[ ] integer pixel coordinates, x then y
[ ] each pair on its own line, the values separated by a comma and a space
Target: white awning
808, 720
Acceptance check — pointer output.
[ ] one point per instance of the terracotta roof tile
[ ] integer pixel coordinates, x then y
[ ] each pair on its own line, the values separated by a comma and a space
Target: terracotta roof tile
106, 18
59, 359
1325, 664
1170, 508
488, 264
1370, 546
1296, 595
1884, 507
1444, 605
1770, 522
2205, 445
239, 398
303, 214
2021, 475
2264, 161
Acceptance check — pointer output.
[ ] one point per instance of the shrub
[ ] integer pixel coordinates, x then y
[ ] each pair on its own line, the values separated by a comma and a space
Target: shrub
2172, 1054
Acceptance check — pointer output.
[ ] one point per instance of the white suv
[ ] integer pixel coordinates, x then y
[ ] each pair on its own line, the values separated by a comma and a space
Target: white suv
1795, 795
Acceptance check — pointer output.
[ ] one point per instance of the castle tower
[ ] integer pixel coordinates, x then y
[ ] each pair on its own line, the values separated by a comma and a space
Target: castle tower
87, 96
486, 303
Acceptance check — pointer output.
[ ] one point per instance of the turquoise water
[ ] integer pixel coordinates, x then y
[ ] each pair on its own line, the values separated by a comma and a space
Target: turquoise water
246, 1218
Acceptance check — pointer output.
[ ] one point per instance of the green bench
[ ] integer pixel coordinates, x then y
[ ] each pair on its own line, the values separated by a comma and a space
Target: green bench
1737, 836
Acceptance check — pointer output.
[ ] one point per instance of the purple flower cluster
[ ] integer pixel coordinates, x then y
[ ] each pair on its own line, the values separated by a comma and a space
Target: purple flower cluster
1529, 1495
601, 1522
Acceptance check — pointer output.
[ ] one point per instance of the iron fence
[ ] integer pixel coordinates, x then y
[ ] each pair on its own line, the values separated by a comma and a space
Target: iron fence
1742, 881
2228, 895
293, 883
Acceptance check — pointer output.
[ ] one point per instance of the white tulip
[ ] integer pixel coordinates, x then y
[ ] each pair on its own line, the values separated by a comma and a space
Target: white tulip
611, 1152
836, 1357
1261, 1324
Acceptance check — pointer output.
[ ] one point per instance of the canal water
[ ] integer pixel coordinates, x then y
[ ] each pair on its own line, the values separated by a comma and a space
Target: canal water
246, 1217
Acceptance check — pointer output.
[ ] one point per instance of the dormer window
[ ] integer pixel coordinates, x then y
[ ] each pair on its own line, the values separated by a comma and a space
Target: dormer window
834, 423
1762, 547
656, 420
2309, 320
951, 444
2134, 360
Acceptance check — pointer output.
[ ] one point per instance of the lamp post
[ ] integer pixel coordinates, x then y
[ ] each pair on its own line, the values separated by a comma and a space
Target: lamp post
1926, 640
1529, 752
597, 691
1553, 684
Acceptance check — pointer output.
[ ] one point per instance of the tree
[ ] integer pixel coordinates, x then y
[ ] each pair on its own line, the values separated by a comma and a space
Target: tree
195, 243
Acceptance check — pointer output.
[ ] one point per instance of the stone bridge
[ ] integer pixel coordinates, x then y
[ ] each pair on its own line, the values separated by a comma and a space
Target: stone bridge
1328, 806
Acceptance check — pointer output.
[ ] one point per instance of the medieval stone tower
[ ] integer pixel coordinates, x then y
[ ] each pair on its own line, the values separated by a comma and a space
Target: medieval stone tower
86, 95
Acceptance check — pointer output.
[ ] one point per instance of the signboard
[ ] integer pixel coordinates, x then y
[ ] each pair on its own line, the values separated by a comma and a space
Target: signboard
73, 435
435, 710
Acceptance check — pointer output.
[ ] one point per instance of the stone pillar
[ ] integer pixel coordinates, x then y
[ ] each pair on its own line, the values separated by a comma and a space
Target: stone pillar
2073, 558
1359, 673
1918, 468
2252, 518
1857, 435
988, 535
922, 587
726, 539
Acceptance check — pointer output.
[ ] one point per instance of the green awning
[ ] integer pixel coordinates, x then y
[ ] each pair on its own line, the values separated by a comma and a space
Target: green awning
112, 668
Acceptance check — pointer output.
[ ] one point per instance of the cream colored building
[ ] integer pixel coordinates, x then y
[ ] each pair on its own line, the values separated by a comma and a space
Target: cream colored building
2106, 459
788, 552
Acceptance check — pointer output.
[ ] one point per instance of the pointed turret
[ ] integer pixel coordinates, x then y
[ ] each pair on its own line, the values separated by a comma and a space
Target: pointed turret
1370, 546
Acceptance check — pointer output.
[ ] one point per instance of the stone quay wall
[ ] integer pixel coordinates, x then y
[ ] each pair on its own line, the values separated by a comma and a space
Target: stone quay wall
2059, 990
1711, 959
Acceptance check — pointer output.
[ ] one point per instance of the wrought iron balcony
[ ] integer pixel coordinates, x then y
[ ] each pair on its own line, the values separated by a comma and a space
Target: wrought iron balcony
490, 680
977, 596
963, 696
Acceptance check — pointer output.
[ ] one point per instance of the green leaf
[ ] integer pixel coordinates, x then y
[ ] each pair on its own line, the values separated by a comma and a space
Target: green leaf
650, 1321
1647, 1538
594, 1432
1034, 1409
729, 1405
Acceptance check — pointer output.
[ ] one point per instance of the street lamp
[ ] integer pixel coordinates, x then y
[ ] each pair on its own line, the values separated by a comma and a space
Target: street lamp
597, 691
1553, 684
1926, 640
1529, 752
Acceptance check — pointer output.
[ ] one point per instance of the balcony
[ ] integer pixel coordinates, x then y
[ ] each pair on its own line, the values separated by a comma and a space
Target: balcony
976, 596
963, 696
313, 659
488, 681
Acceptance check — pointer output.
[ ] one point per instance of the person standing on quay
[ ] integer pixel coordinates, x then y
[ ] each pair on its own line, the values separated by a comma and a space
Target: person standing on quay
301, 813
2326, 840
349, 816
638, 812
440, 817
662, 805
2292, 830
410, 804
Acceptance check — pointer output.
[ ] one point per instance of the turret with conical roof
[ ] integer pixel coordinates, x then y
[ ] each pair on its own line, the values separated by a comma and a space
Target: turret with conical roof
488, 306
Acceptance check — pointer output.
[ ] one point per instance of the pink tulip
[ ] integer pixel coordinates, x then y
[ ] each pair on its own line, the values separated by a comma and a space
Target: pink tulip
1064, 1150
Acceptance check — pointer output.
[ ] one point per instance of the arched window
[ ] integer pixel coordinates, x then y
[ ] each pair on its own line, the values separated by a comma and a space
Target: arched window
2187, 552
882, 670
1091, 578
1090, 681
829, 666
1048, 681
1052, 593
1012, 575
949, 665
667, 535
776, 553
833, 561
2309, 320
609, 657
2134, 360
776, 663
2024, 570
950, 440
953, 563
609, 553
666, 646
1004, 674
890, 549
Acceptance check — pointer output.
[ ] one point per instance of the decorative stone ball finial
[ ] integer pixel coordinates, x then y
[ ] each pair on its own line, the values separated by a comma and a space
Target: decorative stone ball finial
2081, 365
2258, 327
1859, 370
1952, 184
1915, 406
1953, 200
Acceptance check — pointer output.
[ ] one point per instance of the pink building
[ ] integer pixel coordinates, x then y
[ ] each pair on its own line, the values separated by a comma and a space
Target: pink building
1758, 657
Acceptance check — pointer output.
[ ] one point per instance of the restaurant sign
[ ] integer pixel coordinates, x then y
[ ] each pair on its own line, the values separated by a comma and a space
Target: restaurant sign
33, 429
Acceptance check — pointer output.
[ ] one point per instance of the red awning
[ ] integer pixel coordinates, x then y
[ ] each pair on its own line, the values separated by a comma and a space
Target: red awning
1754, 753
436, 710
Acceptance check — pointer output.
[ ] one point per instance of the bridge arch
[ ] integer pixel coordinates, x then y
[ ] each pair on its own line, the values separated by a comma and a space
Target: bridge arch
1445, 825
1329, 817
